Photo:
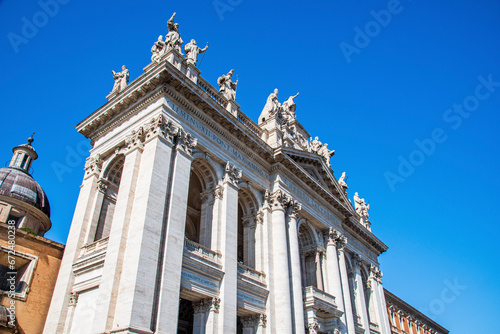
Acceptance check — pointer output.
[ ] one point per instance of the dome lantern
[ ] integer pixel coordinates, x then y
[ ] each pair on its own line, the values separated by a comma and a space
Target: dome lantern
23, 155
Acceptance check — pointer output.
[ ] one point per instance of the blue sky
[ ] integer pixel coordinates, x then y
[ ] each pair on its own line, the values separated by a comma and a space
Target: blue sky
385, 96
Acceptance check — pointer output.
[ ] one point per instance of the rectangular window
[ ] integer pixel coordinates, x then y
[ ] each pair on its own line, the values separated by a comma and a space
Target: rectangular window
16, 273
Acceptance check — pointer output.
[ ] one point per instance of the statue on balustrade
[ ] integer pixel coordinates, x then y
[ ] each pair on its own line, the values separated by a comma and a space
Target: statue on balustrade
192, 51
228, 87
121, 80
173, 39
272, 106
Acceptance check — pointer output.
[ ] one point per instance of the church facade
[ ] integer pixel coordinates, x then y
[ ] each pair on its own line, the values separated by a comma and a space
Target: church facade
192, 218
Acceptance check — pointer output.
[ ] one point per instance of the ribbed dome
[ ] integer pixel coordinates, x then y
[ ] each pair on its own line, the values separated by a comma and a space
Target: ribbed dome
16, 183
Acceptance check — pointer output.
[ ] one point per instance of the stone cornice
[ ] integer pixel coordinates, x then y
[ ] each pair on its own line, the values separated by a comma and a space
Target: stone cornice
165, 78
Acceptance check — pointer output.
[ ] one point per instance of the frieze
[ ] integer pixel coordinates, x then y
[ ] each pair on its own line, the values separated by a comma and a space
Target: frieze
214, 137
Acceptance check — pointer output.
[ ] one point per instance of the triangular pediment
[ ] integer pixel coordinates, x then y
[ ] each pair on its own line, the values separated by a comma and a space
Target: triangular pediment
311, 168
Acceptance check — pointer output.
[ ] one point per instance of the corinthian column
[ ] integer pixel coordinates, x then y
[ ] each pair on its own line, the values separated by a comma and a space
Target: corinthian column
281, 279
346, 293
295, 274
334, 238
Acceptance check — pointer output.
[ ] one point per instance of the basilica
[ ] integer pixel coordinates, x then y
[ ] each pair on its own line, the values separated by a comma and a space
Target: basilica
194, 218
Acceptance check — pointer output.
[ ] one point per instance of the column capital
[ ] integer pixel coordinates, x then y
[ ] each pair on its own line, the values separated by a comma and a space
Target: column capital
356, 260
232, 174
218, 192
102, 185
263, 320
280, 200
135, 140
250, 321
376, 273
160, 127
313, 326
335, 238
93, 165
73, 299
259, 217
185, 142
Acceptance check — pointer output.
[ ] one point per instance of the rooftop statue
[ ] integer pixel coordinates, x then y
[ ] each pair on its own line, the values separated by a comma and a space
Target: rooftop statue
192, 51
158, 49
289, 107
272, 106
121, 80
342, 182
227, 87
361, 206
315, 145
173, 39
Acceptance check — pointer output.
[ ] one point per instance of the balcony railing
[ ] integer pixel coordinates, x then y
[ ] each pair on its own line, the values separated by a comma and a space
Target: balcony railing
204, 252
251, 273
211, 92
317, 299
95, 246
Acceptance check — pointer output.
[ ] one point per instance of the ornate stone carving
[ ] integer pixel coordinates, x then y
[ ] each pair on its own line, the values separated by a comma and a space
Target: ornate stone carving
250, 321
135, 139
173, 38
342, 182
337, 238
356, 260
121, 81
185, 142
312, 327
192, 51
102, 185
159, 126
376, 273
218, 192
215, 305
228, 87
361, 206
232, 174
259, 217
73, 299
263, 320
282, 200
93, 164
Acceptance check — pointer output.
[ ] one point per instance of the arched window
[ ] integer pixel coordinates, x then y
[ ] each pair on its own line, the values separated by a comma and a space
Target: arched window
194, 208
111, 184
311, 258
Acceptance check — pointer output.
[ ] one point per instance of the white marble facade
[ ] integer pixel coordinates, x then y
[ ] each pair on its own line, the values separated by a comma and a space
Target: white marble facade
192, 218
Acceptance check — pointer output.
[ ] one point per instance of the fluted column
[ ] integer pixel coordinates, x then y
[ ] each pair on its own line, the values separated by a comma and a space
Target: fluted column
360, 294
334, 238
295, 271
229, 250
58, 310
207, 204
281, 286
259, 241
218, 194
346, 293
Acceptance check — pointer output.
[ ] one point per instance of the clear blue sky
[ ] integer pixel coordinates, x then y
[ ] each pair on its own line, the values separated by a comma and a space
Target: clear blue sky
370, 98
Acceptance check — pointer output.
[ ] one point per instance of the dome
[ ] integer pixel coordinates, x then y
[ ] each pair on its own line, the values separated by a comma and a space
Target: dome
17, 183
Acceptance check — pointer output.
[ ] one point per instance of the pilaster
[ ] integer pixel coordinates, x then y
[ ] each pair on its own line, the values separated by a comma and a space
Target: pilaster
172, 245
346, 293
360, 294
108, 288
334, 243
58, 310
229, 249
295, 271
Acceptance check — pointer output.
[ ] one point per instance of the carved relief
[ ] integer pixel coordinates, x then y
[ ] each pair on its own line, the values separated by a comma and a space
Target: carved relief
93, 164
232, 174
102, 185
